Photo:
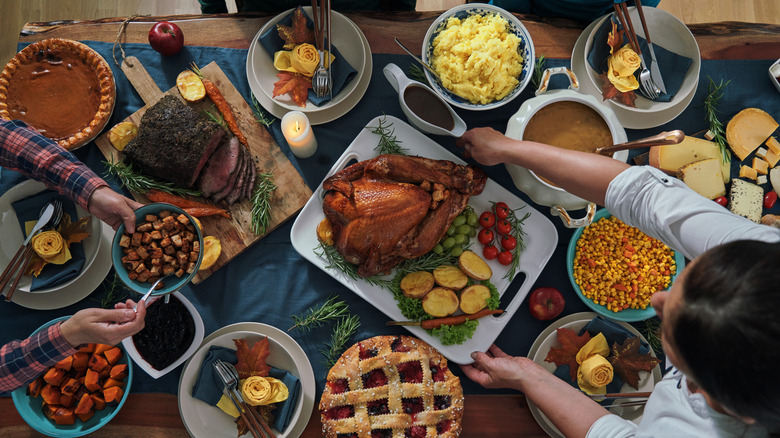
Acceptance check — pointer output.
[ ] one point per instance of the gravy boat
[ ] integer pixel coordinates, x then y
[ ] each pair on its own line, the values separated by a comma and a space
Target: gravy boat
401, 83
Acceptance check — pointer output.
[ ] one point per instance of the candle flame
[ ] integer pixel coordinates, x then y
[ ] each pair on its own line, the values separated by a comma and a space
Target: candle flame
297, 127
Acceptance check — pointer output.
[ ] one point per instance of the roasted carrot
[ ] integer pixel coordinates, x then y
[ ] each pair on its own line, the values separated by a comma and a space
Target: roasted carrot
219, 100
458, 319
194, 208
206, 211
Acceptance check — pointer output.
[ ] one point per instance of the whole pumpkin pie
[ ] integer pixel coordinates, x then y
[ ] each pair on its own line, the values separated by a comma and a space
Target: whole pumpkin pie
62, 88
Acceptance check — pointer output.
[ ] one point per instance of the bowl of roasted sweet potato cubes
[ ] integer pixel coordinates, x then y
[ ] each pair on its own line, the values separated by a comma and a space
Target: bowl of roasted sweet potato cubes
79, 394
167, 242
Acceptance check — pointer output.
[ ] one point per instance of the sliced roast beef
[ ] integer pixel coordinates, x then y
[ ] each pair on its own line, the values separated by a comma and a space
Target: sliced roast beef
222, 194
252, 178
216, 173
174, 142
238, 190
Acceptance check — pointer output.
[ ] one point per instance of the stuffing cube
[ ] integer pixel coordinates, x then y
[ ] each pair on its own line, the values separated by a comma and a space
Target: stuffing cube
124, 241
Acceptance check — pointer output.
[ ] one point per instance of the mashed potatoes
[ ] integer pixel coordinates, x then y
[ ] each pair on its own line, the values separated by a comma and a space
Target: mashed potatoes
477, 58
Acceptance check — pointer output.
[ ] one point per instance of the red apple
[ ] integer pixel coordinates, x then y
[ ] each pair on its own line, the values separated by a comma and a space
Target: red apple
546, 303
166, 38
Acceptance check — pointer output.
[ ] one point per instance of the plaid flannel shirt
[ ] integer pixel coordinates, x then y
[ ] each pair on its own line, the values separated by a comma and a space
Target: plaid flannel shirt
25, 150
22, 362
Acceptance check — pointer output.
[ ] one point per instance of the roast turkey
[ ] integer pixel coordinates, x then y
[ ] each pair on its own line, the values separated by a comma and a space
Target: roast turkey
395, 207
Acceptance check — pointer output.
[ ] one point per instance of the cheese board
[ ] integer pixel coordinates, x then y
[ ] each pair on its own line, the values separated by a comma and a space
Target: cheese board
235, 233
541, 239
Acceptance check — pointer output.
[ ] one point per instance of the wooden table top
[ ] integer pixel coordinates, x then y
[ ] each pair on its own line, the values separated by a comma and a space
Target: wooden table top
153, 415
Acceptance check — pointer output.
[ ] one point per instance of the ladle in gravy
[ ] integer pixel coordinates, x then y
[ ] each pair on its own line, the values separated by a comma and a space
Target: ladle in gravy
568, 125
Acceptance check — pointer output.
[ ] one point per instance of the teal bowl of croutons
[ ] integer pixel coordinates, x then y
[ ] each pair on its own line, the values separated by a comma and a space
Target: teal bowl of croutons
167, 243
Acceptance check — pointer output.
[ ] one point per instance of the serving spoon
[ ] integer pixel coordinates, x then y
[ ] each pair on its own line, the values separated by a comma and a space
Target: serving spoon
664, 138
427, 67
149, 292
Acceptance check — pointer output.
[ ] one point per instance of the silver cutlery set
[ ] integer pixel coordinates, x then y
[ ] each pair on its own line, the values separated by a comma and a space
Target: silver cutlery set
650, 79
322, 81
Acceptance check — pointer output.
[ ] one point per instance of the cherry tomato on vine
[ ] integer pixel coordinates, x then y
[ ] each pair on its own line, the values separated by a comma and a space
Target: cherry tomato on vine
485, 236
505, 258
490, 252
769, 199
487, 219
509, 242
721, 200
502, 210
503, 226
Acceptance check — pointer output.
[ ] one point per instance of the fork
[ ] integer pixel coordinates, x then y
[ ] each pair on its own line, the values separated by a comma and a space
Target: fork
232, 379
655, 70
645, 80
230, 385
321, 78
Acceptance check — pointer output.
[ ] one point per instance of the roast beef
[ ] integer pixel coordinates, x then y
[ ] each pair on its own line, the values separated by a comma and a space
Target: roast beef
252, 178
232, 179
174, 142
238, 189
216, 173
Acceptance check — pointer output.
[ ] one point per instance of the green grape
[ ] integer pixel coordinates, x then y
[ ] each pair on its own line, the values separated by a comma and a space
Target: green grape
472, 232
472, 219
448, 243
438, 249
456, 251
464, 229
460, 239
451, 231
459, 220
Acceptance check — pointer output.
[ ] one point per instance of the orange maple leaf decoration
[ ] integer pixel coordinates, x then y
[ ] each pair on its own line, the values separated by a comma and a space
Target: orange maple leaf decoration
628, 361
566, 354
608, 90
298, 33
251, 360
74, 232
295, 83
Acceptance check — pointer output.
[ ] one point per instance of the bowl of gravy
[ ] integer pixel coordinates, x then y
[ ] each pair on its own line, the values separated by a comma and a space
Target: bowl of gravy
569, 120
424, 109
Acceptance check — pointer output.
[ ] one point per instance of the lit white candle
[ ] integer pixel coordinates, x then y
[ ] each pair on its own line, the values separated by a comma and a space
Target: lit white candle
297, 131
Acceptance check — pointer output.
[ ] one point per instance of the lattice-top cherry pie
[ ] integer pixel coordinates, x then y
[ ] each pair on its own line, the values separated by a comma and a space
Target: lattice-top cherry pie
391, 386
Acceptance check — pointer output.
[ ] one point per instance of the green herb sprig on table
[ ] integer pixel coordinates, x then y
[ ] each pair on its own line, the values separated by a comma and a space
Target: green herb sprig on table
215, 116
417, 73
331, 309
518, 233
260, 114
536, 79
714, 94
336, 261
140, 183
342, 333
115, 292
388, 143
261, 202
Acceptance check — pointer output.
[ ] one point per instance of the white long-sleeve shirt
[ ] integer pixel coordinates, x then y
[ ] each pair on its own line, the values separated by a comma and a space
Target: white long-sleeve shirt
665, 208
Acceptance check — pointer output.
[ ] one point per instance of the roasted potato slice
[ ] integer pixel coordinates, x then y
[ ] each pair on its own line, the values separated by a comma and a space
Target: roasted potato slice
474, 298
417, 284
440, 302
190, 86
121, 134
450, 277
472, 265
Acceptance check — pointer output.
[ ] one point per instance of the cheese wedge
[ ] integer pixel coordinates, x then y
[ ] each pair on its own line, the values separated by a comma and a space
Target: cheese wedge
774, 145
746, 199
704, 177
670, 158
748, 129
760, 166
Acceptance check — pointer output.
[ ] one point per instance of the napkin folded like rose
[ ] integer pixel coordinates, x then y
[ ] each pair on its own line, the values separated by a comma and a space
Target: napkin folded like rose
594, 374
256, 391
303, 59
622, 65
51, 247
596, 345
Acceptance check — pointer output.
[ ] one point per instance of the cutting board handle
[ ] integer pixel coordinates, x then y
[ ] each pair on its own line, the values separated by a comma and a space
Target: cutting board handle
142, 82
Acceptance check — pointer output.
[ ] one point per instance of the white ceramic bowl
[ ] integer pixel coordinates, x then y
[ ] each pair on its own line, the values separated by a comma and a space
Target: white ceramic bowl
132, 351
774, 74
12, 238
666, 31
515, 26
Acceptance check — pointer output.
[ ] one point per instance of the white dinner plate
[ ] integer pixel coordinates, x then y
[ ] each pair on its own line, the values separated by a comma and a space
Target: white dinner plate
540, 240
549, 338
12, 237
628, 119
203, 420
353, 46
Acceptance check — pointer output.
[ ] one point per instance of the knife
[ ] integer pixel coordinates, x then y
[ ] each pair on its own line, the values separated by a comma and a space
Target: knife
655, 70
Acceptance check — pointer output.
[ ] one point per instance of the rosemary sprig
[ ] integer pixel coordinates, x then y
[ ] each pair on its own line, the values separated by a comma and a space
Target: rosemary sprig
518, 233
260, 114
140, 183
115, 292
388, 143
345, 328
336, 261
216, 118
315, 317
416, 73
652, 332
714, 94
427, 262
261, 202
536, 79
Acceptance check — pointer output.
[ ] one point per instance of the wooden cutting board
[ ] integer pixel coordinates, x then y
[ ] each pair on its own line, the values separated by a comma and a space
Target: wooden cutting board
235, 234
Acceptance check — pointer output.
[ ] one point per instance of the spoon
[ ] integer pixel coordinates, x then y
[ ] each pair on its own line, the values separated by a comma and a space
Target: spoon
427, 67
149, 292
664, 138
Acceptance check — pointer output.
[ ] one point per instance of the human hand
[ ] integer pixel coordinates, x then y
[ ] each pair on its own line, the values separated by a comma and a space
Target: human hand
486, 145
113, 208
496, 369
104, 326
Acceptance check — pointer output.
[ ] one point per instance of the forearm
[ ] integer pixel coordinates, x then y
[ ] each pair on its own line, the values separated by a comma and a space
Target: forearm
23, 361
572, 412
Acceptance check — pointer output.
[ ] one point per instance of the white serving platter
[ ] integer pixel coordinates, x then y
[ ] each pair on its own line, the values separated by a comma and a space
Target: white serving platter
540, 240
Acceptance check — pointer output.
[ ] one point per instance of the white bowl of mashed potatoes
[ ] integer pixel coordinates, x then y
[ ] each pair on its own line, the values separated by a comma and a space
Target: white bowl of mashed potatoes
482, 53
